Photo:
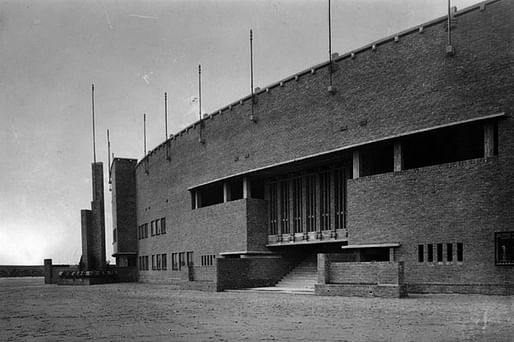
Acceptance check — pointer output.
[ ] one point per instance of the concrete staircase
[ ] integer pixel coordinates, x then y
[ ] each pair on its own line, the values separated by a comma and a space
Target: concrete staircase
302, 278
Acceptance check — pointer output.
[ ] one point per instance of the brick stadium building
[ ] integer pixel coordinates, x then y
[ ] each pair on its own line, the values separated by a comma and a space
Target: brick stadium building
398, 176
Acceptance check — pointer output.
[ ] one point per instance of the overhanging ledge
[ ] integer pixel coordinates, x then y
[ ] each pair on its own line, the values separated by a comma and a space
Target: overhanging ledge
372, 245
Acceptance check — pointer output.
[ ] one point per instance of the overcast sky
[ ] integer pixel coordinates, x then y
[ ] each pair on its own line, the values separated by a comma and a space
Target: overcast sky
134, 51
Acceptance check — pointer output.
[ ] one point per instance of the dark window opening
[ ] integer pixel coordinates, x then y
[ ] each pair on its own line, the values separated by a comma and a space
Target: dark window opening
460, 252
174, 262
310, 188
273, 208
235, 188
421, 255
164, 262
210, 194
377, 158
444, 145
449, 252
340, 177
504, 244
297, 205
374, 254
439, 252
284, 207
430, 252
324, 200
163, 226
181, 260
257, 188
189, 259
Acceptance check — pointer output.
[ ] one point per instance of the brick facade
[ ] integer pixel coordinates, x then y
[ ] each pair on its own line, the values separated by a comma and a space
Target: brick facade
381, 94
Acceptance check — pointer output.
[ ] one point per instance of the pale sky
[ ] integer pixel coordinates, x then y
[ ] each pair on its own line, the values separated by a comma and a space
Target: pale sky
51, 51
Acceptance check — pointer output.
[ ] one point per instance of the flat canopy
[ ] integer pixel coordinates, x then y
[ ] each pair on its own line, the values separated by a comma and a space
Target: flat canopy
373, 245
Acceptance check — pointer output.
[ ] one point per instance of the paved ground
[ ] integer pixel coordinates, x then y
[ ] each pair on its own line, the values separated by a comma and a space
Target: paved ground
30, 310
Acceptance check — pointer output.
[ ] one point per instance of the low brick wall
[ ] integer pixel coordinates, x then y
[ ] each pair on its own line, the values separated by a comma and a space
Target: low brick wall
204, 273
362, 279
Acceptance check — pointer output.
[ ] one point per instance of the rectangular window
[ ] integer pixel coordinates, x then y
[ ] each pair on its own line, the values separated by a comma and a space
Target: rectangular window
324, 200
146, 230
310, 188
460, 252
284, 207
152, 228
146, 263
273, 209
297, 205
439, 252
153, 262
164, 259
504, 243
158, 257
340, 198
449, 252
181, 260
139, 232
189, 259
157, 227
174, 261
421, 253
163, 225
430, 252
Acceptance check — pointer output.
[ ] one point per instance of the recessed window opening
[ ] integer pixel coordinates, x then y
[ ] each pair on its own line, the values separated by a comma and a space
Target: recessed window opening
377, 158
297, 205
504, 243
340, 176
273, 208
284, 207
460, 252
374, 254
439, 252
211, 194
430, 252
449, 252
421, 255
324, 200
257, 188
310, 189
235, 189
444, 145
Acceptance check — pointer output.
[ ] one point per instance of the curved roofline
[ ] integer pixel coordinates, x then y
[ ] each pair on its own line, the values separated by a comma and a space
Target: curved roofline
351, 54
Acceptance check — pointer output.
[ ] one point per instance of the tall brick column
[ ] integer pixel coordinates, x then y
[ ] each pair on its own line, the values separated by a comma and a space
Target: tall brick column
98, 213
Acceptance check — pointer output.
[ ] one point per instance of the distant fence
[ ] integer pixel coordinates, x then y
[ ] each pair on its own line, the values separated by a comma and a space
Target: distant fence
21, 271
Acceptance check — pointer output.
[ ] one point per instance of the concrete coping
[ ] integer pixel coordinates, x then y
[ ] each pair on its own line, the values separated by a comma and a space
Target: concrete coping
247, 253
373, 245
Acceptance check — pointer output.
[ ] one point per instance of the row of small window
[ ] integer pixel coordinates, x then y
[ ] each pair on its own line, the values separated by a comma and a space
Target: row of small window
160, 261
208, 260
440, 256
157, 227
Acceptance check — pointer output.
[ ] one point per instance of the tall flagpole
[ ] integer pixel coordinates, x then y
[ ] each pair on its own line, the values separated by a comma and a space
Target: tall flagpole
330, 43
200, 138
93, 115
144, 132
251, 74
109, 157
165, 116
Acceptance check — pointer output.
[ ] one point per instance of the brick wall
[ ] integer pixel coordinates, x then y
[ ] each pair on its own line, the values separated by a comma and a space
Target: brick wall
464, 202
400, 87
364, 273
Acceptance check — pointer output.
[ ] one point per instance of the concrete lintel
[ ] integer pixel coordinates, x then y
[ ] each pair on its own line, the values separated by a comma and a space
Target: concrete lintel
372, 245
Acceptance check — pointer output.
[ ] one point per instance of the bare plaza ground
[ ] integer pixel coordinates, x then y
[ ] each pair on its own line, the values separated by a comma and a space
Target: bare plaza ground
30, 310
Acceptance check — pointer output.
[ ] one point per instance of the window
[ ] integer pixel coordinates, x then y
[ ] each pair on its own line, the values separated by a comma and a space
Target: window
310, 188
284, 207
146, 263
504, 248
157, 227
449, 252
189, 259
152, 228
158, 257
164, 259
208, 260
340, 198
163, 226
146, 230
153, 262
114, 235
297, 205
421, 253
181, 260
430, 252
273, 209
439, 252
460, 252
324, 200
174, 261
